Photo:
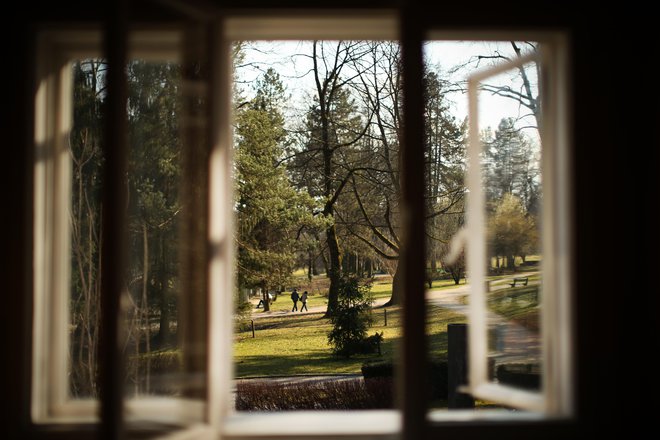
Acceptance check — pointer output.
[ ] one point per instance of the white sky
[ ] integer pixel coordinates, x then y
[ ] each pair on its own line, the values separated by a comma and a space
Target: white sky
285, 57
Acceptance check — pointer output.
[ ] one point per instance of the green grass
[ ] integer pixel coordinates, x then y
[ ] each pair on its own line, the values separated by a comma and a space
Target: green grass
381, 289
444, 284
298, 344
284, 303
290, 345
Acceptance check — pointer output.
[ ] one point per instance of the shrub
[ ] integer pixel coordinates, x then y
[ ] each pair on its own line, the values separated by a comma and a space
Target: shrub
377, 369
351, 320
343, 394
437, 380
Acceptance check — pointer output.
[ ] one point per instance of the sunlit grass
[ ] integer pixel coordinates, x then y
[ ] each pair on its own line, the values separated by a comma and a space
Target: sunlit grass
298, 344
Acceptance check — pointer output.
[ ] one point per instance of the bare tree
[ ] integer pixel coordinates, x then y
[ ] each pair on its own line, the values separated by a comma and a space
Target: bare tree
376, 185
333, 127
527, 94
86, 244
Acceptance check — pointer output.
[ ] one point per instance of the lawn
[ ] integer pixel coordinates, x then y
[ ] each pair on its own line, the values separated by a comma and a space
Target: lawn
297, 344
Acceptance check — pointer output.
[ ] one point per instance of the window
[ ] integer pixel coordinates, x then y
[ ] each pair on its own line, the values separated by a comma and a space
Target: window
69, 176
206, 94
542, 71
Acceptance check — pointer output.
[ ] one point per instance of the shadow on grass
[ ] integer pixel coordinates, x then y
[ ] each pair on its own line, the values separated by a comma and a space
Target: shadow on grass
294, 345
313, 362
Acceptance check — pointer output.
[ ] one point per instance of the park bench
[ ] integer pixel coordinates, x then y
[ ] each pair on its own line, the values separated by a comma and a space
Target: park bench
522, 280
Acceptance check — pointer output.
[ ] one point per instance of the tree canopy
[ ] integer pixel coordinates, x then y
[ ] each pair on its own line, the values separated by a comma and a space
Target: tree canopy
511, 232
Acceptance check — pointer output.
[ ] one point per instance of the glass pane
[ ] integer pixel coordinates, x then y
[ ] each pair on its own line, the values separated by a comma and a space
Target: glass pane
317, 128
87, 165
152, 349
508, 123
509, 119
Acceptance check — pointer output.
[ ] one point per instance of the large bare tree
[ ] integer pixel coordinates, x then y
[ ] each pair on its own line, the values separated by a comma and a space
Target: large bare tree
376, 184
333, 127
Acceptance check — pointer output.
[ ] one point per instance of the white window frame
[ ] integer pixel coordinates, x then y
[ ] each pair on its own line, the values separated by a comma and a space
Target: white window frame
50, 399
215, 415
556, 396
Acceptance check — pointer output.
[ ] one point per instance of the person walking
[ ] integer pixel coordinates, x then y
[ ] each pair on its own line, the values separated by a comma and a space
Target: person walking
303, 299
294, 298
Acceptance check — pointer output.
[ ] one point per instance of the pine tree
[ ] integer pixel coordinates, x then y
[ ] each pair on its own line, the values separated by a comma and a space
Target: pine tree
271, 212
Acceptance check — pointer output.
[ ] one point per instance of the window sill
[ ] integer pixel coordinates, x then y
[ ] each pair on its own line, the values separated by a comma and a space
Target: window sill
327, 424
486, 415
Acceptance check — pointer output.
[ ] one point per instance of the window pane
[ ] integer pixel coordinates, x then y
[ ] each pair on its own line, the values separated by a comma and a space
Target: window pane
509, 111
87, 165
152, 351
512, 183
151, 347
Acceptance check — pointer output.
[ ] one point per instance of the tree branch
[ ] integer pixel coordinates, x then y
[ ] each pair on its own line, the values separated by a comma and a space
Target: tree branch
373, 228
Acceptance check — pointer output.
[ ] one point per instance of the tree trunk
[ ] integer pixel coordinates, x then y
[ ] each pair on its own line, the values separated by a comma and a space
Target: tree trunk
264, 297
368, 267
310, 266
144, 318
345, 260
456, 275
511, 262
397, 288
164, 322
334, 270
326, 265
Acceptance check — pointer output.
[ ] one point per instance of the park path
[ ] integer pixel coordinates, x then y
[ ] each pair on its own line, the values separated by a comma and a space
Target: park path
312, 309
514, 342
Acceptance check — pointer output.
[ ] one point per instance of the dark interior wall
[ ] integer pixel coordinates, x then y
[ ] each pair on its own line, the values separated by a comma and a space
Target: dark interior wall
615, 158
16, 239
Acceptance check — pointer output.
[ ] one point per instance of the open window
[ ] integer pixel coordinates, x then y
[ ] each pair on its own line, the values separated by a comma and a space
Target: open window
206, 266
161, 381
518, 205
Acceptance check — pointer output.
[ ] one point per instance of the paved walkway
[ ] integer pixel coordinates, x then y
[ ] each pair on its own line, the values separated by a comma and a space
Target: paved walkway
513, 343
258, 313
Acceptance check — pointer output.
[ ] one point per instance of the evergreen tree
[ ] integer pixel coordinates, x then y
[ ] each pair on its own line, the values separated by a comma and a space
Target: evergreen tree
512, 166
271, 212
153, 181
351, 320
